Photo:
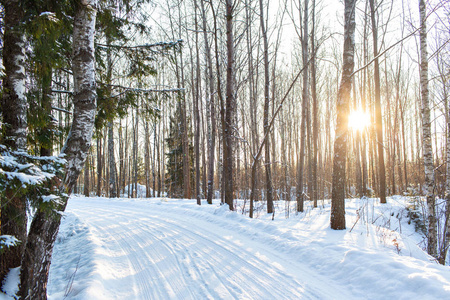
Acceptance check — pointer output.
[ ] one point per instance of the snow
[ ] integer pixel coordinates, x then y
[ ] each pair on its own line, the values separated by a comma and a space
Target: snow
10, 284
163, 248
8, 240
141, 191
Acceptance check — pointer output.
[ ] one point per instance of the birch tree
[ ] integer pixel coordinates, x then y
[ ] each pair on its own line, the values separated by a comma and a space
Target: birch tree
426, 133
44, 227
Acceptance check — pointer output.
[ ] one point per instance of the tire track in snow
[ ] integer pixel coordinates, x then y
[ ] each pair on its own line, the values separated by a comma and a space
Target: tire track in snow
173, 257
245, 271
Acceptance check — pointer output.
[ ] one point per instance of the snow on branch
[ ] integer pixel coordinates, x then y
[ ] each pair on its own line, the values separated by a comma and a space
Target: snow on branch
138, 90
169, 44
61, 110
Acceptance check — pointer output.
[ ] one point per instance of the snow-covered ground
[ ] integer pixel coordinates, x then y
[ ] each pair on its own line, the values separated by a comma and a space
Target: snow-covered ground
174, 249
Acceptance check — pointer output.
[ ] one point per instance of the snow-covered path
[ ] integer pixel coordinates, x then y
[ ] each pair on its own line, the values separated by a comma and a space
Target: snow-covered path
175, 249
153, 251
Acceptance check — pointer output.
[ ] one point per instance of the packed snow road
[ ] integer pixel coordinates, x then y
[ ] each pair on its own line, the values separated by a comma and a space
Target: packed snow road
175, 249
152, 250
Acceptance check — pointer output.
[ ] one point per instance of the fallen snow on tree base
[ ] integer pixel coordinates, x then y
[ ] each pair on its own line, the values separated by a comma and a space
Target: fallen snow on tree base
174, 249
11, 284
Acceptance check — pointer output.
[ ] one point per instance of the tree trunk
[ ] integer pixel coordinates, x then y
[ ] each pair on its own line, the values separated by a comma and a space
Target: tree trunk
315, 107
305, 95
229, 108
337, 220
14, 112
267, 165
378, 117
44, 228
86, 177
197, 112
112, 162
99, 164
210, 110
426, 134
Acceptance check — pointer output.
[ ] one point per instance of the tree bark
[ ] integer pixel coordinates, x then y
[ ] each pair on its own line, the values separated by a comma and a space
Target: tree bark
426, 134
267, 165
44, 228
229, 108
378, 117
197, 112
14, 112
315, 107
210, 110
337, 220
305, 99
86, 177
112, 162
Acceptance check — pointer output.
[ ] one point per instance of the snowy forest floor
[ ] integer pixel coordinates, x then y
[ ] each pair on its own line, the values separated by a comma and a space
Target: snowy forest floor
163, 248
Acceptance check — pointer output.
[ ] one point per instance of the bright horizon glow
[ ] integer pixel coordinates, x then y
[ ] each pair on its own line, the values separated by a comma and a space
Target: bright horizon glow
358, 120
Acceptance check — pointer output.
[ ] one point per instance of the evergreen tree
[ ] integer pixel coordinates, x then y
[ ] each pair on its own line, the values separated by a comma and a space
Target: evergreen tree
174, 177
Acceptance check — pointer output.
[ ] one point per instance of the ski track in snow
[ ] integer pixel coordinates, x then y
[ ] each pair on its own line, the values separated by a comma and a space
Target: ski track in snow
149, 251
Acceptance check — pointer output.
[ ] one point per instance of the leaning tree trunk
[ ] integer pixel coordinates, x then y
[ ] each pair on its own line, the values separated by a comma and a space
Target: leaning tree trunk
337, 220
44, 228
14, 111
426, 134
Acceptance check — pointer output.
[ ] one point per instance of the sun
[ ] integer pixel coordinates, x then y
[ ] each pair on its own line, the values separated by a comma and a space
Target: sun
358, 120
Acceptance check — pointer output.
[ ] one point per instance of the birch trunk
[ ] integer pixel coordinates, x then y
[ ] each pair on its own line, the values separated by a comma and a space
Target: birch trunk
337, 220
44, 228
426, 134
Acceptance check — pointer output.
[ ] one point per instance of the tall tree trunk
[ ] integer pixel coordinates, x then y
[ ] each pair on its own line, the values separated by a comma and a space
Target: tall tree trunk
112, 162
197, 112
426, 134
378, 117
147, 159
305, 95
47, 144
44, 228
86, 177
315, 106
337, 220
229, 108
210, 110
99, 164
14, 112
269, 187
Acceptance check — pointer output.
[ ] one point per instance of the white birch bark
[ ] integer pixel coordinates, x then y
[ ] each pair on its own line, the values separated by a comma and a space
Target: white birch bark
426, 134
44, 228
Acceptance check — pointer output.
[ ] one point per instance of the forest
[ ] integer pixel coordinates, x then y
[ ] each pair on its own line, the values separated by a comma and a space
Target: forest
254, 103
